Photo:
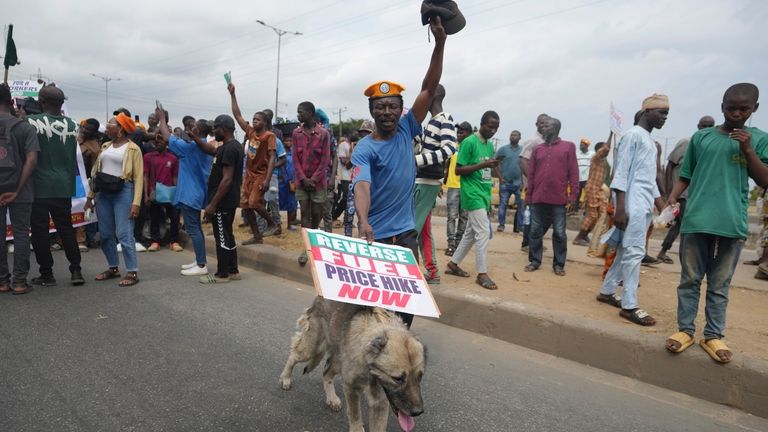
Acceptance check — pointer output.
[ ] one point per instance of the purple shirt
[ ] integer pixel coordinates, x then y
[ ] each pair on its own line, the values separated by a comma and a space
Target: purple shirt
551, 168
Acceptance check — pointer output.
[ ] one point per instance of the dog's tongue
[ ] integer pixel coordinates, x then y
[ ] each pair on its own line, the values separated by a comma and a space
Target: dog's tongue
406, 422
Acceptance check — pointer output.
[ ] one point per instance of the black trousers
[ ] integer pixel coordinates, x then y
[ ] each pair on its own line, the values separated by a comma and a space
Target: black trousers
410, 240
226, 247
340, 205
157, 214
60, 210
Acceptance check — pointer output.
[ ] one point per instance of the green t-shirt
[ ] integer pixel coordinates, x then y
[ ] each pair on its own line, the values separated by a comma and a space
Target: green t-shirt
718, 193
57, 159
476, 186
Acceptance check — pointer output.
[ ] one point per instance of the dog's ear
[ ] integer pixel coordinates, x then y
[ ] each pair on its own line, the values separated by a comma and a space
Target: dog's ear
377, 344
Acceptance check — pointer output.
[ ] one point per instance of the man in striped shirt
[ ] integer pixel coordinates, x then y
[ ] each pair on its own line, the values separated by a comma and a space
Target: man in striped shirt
433, 148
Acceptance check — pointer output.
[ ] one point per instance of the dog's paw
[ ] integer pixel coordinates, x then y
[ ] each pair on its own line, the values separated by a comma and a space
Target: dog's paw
285, 383
334, 404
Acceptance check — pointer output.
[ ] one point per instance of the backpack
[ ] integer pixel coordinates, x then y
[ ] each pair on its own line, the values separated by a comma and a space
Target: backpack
10, 164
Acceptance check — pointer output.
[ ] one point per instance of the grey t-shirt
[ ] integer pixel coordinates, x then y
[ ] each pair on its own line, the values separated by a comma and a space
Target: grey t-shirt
26, 140
676, 159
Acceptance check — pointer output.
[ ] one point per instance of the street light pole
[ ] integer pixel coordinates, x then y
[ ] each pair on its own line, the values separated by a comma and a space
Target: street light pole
106, 88
280, 33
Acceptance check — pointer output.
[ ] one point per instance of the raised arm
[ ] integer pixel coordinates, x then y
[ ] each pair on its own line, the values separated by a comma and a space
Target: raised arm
432, 79
236, 108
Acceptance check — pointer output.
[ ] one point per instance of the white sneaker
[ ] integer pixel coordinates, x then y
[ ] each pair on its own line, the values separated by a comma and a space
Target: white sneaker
140, 247
10, 248
119, 247
188, 266
195, 271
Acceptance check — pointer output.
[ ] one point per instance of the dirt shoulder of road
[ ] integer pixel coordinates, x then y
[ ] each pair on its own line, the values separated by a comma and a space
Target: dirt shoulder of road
574, 294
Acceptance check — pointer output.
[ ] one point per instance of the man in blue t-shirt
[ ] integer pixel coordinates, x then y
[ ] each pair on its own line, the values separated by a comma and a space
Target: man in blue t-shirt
191, 188
509, 185
384, 170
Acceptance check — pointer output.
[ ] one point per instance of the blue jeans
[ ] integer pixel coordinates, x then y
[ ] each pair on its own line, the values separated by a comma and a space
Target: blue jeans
115, 224
194, 231
713, 256
506, 190
544, 216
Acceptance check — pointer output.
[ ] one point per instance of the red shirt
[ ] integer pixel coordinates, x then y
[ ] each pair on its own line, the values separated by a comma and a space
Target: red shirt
312, 154
552, 167
161, 167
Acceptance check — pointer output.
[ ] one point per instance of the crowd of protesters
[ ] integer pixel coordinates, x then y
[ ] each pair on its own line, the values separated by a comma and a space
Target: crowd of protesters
387, 176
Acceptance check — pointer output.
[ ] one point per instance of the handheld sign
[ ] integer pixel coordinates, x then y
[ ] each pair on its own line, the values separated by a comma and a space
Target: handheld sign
228, 77
350, 270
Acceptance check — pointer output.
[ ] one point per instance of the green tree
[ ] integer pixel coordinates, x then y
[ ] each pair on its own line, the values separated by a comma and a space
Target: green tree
348, 127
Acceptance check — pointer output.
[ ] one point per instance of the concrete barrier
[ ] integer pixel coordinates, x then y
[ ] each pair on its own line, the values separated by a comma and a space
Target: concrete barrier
741, 384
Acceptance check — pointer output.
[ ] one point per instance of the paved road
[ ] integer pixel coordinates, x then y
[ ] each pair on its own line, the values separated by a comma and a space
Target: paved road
173, 355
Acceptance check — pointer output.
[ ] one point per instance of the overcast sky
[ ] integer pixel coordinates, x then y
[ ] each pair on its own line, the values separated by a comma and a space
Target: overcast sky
568, 58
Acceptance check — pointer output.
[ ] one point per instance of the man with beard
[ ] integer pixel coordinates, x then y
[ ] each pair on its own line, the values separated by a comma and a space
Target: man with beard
384, 172
636, 192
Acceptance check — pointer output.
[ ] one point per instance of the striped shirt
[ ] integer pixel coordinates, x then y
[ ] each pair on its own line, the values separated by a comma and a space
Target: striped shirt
433, 147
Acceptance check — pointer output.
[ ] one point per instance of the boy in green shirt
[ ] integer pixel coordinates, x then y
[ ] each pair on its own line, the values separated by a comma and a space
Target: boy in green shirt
716, 171
474, 165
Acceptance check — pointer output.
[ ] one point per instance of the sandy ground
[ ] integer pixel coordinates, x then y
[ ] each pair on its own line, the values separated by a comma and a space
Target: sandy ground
747, 327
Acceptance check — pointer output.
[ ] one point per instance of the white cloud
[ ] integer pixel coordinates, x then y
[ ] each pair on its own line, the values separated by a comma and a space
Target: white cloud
564, 57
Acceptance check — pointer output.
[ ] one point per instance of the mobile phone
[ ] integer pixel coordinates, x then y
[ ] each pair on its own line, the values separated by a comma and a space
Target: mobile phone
228, 77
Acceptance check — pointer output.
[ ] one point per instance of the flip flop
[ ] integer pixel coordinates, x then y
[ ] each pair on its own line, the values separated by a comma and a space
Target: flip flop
712, 346
457, 271
666, 259
684, 339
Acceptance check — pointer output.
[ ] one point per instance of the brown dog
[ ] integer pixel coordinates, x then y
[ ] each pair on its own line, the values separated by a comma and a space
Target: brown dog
375, 354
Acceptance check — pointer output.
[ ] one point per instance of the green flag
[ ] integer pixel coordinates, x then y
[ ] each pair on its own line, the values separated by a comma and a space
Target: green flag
10, 50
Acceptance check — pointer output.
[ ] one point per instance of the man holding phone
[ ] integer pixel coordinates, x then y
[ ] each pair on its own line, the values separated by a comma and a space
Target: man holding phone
509, 183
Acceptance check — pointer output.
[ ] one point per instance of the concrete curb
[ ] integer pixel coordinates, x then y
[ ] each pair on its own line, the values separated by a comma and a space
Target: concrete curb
741, 384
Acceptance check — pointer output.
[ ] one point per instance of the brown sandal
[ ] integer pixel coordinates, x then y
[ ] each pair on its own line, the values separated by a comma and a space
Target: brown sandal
4, 288
110, 273
131, 278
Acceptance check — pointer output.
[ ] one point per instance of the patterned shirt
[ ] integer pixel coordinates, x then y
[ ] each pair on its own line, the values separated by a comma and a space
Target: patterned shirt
312, 155
593, 190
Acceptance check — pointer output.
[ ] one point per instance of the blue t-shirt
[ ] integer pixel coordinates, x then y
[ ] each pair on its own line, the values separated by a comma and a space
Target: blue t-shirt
510, 166
279, 152
194, 167
390, 168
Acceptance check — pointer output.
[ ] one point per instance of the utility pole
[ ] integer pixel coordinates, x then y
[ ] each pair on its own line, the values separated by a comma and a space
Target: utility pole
41, 79
341, 110
280, 33
106, 88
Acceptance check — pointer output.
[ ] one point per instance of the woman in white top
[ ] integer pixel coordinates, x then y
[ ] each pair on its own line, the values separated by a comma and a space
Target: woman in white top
117, 181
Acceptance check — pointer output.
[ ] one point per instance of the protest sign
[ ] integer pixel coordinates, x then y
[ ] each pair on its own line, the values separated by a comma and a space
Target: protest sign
616, 121
24, 88
350, 270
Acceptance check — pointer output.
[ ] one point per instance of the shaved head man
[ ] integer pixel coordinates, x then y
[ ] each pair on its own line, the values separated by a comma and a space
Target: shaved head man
674, 162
